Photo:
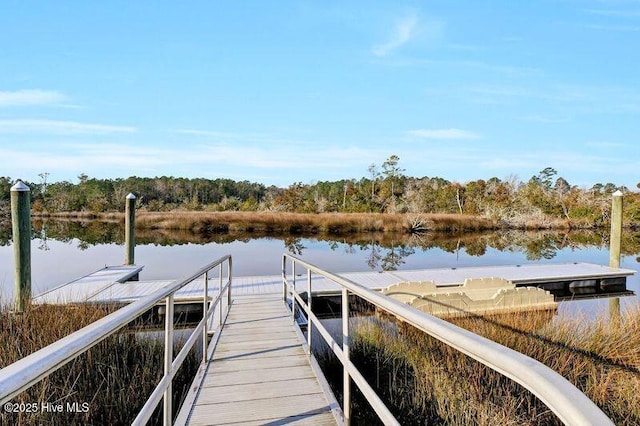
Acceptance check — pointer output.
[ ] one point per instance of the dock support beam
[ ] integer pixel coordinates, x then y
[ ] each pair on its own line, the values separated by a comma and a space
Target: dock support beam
130, 229
21, 226
615, 242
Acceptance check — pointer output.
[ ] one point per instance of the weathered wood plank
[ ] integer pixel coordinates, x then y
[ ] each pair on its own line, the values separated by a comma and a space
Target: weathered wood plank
265, 410
260, 390
259, 375
247, 364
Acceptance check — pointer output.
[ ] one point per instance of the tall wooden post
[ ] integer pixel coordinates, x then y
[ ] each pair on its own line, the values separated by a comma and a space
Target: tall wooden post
615, 241
21, 225
130, 229
616, 230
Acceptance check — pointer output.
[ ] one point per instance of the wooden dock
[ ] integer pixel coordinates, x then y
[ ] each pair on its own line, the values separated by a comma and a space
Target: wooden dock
259, 374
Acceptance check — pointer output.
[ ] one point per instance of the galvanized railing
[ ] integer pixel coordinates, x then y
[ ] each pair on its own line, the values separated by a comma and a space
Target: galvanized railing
568, 403
26, 372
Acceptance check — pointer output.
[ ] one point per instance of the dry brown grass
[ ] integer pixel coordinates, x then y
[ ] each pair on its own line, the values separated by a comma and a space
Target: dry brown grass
330, 223
426, 382
80, 215
115, 377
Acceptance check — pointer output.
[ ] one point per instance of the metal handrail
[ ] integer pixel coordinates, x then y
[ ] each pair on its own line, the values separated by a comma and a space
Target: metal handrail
566, 401
26, 372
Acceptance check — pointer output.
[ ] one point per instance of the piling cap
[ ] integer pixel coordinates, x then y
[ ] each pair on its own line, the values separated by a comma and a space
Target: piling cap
131, 196
20, 187
618, 193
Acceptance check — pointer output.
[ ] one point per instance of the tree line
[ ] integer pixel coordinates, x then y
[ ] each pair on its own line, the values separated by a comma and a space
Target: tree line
544, 198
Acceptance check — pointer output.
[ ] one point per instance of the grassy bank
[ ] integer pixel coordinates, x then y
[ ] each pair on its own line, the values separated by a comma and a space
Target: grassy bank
272, 222
113, 379
295, 223
426, 382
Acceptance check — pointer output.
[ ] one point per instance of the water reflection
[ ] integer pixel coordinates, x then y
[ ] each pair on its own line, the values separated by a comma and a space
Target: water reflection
385, 251
65, 250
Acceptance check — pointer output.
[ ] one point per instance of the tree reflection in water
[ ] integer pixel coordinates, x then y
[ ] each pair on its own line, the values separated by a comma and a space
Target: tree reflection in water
382, 251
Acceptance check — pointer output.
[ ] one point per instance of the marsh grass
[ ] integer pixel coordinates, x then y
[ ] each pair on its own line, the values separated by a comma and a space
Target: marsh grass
298, 223
114, 378
423, 381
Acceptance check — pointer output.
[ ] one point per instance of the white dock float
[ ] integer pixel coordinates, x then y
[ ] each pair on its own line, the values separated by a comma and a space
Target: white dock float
259, 374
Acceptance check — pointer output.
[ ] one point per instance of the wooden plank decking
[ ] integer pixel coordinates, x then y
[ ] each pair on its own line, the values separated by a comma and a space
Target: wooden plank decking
260, 373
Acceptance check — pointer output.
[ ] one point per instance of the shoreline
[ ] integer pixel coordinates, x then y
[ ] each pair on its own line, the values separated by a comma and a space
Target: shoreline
320, 223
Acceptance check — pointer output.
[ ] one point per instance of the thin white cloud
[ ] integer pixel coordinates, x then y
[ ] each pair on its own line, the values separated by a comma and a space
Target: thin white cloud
32, 98
218, 135
404, 31
197, 132
614, 12
448, 134
544, 119
219, 159
605, 144
57, 127
479, 65
615, 28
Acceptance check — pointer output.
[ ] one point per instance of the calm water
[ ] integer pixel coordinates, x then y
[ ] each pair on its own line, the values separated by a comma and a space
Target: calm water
61, 253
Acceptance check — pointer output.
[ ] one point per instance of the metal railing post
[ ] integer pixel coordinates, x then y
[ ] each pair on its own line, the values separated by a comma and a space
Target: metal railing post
346, 378
205, 309
293, 291
220, 304
229, 279
309, 323
168, 358
284, 279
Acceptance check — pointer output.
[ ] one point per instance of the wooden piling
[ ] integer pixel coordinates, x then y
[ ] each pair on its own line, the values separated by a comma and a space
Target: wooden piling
130, 229
616, 230
614, 247
21, 226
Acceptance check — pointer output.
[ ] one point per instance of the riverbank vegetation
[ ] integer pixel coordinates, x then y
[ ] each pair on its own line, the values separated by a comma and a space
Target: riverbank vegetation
108, 384
423, 381
545, 200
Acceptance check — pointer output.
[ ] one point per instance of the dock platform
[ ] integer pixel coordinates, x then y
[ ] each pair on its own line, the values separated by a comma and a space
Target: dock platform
109, 285
259, 374
84, 288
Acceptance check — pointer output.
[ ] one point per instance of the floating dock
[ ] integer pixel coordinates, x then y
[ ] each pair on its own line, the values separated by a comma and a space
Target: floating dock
109, 285
474, 296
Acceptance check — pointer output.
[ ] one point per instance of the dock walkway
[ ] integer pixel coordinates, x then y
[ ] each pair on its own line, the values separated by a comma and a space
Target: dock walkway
260, 373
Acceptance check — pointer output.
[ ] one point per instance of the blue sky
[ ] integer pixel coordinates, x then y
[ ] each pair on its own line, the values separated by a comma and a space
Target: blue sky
279, 92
